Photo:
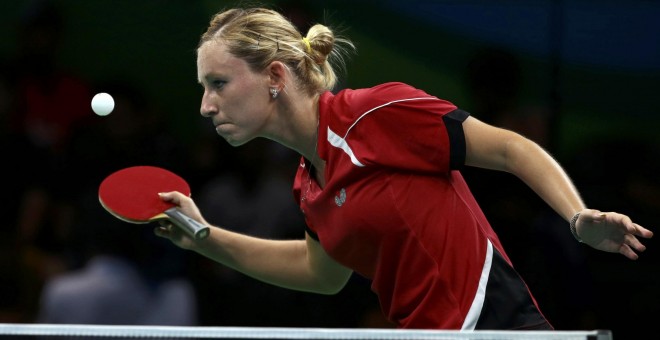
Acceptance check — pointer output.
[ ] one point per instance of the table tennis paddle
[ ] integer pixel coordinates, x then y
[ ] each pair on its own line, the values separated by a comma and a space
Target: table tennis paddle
131, 194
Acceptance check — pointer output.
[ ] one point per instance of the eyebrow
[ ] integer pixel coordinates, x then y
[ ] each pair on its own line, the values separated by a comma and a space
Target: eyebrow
206, 78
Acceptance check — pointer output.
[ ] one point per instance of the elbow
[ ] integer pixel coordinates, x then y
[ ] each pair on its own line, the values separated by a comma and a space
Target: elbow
327, 291
331, 286
332, 290
332, 283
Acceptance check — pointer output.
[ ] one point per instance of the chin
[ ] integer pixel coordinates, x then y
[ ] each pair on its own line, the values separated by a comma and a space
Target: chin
234, 141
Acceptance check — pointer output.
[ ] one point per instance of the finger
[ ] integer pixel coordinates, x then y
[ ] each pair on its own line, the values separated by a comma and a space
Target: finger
627, 252
172, 196
642, 232
167, 196
634, 243
164, 229
160, 232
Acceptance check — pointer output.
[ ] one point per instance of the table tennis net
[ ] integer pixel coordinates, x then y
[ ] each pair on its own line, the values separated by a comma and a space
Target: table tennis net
59, 332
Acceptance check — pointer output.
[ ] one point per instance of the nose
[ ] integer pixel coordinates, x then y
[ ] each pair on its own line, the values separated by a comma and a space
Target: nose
207, 108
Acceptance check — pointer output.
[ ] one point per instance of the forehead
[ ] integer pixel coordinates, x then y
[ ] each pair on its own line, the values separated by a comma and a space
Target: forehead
213, 58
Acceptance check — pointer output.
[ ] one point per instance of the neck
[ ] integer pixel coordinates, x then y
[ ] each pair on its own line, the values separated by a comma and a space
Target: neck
312, 146
313, 155
302, 123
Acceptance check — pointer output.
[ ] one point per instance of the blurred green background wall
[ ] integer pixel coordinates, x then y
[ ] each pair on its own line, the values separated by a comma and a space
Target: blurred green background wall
152, 42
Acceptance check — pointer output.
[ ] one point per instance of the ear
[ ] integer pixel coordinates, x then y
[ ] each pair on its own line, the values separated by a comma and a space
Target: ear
277, 74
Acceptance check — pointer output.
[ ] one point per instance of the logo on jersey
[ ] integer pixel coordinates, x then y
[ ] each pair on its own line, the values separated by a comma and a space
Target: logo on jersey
340, 199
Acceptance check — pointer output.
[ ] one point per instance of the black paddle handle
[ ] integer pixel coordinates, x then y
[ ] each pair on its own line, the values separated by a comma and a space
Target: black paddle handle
189, 225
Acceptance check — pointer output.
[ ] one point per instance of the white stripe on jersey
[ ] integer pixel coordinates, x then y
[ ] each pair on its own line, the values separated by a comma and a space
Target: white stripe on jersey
339, 142
472, 316
379, 106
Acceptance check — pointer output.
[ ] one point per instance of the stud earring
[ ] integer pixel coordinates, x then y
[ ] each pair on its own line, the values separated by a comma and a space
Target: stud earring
274, 92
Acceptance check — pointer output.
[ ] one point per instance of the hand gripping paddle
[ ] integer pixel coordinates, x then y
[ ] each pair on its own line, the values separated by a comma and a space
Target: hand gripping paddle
131, 194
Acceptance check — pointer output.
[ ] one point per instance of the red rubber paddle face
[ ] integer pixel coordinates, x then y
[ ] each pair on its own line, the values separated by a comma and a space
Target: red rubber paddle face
131, 194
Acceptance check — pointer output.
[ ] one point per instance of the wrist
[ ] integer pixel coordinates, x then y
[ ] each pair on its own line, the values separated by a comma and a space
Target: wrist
573, 226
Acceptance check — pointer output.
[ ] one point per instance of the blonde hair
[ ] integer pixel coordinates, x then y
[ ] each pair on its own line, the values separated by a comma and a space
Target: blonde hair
260, 36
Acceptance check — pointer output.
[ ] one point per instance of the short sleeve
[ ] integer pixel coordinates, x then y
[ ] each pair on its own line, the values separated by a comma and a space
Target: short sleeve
422, 134
454, 124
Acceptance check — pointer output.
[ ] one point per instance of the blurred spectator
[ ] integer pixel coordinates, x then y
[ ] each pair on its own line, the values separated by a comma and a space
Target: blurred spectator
637, 191
10, 309
129, 278
299, 12
495, 78
124, 274
64, 151
45, 103
134, 133
252, 194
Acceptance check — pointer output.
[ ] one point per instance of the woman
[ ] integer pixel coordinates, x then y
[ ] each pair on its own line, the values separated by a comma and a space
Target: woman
379, 182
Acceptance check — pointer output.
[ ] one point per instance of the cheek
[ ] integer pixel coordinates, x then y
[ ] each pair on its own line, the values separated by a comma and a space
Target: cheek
250, 106
246, 116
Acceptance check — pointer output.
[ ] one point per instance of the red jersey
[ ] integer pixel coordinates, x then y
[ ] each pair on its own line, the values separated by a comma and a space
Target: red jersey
396, 210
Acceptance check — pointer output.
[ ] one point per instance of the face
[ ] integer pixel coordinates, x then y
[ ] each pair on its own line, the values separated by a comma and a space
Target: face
235, 98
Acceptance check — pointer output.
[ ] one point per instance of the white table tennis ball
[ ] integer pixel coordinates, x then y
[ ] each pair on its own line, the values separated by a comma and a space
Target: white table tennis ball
103, 104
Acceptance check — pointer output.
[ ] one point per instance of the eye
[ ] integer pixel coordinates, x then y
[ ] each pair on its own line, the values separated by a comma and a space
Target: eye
218, 84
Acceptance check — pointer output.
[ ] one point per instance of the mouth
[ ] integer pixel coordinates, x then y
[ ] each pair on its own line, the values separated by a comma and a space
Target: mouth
221, 127
217, 124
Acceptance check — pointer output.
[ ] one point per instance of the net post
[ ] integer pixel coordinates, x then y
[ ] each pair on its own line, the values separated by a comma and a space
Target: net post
602, 334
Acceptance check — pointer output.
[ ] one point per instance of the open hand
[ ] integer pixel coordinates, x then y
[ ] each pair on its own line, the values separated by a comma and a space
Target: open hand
611, 232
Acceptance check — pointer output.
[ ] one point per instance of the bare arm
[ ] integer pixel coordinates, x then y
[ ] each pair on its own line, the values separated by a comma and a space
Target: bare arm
294, 264
499, 149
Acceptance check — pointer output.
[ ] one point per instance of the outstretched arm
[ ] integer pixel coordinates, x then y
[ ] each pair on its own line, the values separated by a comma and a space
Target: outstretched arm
500, 149
294, 264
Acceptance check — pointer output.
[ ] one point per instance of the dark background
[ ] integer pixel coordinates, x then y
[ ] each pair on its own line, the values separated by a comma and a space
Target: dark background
579, 77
